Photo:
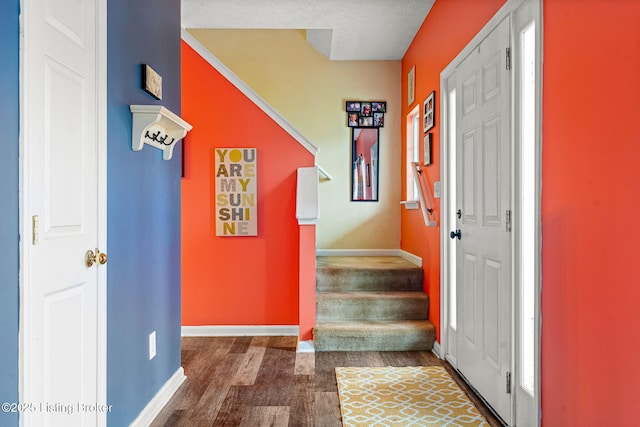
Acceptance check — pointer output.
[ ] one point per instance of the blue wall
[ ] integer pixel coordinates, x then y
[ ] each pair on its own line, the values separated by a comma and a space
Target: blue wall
143, 210
9, 234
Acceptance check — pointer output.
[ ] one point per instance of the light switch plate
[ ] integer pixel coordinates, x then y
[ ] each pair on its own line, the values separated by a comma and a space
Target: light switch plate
436, 189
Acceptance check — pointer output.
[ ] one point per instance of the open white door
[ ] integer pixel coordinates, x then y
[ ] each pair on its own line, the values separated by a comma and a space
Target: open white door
63, 374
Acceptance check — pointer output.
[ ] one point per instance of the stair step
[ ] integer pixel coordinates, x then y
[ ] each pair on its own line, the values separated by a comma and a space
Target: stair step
365, 273
340, 306
371, 304
408, 335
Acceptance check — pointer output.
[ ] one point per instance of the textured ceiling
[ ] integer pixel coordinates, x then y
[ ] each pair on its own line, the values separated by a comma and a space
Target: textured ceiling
340, 29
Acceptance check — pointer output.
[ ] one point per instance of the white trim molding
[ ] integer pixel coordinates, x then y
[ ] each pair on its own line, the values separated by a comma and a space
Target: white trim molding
162, 397
415, 259
411, 204
371, 252
437, 350
306, 347
241, 331
248, 92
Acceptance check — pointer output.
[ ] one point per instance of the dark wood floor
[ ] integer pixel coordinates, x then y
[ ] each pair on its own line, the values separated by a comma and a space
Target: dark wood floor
262, 381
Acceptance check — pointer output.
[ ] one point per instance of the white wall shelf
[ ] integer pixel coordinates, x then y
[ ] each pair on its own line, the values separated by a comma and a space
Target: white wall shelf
157, 126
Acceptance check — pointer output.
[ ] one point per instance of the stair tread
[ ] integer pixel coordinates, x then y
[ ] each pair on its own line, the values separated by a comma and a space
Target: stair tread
375, 324
365, 273
365, 262
372, 294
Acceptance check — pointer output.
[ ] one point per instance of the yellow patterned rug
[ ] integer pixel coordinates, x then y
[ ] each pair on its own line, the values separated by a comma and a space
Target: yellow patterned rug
408, 396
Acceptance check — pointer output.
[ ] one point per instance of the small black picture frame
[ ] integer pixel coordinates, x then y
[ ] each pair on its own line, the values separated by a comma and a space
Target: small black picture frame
352, 119
379, 107
365, 109
429, 109
365, 121
378, 120
428, 142
352, 106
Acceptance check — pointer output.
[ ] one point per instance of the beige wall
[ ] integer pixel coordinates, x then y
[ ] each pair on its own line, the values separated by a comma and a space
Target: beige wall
310, 92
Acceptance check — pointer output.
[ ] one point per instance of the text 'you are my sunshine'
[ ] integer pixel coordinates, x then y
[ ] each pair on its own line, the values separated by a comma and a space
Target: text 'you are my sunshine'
236, 185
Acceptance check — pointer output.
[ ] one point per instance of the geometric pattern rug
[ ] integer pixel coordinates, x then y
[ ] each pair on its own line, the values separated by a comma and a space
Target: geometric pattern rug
403, 396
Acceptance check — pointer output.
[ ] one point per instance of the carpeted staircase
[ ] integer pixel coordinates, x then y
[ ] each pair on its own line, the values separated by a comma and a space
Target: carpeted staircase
371, 304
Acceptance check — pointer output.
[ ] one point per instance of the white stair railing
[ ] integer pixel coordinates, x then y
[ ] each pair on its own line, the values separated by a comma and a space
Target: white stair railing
324, 172
424, 193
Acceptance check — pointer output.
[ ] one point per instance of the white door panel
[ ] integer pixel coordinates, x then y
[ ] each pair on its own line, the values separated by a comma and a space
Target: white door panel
484, 249
62, 310
469, 177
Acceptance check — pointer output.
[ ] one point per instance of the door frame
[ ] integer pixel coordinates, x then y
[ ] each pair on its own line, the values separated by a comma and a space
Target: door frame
25, 209
508, 9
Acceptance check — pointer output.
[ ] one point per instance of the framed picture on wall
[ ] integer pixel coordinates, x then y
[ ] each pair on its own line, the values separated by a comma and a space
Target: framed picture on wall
379, 107
365, 109
365, 121
429, 108
352, 119
411, 85
365, 114
427, 148
353, 106
151, 82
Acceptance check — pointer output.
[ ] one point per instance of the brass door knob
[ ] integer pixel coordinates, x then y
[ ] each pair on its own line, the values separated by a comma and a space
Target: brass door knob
91, 257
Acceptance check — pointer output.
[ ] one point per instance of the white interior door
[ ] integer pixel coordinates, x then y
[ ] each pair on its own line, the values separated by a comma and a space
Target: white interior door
483, 189
63, 311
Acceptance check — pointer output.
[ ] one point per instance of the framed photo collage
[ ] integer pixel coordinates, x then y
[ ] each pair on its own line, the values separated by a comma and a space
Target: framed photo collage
365, 114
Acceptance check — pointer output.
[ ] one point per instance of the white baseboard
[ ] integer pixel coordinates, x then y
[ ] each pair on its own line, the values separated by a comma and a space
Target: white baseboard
371, 252
305, 347
437, 350
153, 408
358, 252
240, 331
415, 259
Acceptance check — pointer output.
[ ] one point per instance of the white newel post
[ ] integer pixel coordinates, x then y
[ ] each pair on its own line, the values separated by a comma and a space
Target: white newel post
307, 212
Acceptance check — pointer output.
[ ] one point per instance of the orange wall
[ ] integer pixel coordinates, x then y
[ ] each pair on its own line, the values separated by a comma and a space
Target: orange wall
449, 27
590, 200
236, 280
590, 206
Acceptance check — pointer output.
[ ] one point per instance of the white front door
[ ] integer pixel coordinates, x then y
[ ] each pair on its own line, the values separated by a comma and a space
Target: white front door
63, 306
483, 203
